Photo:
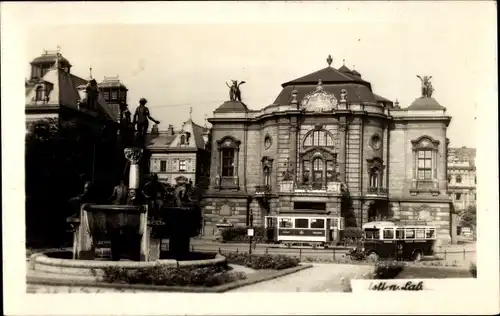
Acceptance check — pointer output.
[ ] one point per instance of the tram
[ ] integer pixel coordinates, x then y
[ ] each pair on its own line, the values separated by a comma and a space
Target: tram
402, 242
304, 230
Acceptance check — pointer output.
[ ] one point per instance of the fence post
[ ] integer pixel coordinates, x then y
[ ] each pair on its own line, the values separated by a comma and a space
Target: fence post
300, 253
464, 253
445, 254
333, 254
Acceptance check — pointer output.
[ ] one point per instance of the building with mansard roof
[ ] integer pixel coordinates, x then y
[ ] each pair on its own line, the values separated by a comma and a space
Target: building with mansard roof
328, 145
184, 152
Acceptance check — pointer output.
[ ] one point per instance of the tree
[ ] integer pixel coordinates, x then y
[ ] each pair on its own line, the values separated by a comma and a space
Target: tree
468, 218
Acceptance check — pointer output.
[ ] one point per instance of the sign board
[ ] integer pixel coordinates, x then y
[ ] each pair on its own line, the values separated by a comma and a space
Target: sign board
250, 232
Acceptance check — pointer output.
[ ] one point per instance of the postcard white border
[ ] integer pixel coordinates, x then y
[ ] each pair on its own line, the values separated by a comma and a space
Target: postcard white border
16, 17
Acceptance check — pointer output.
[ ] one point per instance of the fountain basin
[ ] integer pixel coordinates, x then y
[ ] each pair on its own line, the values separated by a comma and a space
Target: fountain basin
51, 262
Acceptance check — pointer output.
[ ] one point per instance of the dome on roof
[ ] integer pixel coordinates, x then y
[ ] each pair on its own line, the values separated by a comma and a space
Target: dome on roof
424, 104
344, 69
354, 72
50, 57
232, 107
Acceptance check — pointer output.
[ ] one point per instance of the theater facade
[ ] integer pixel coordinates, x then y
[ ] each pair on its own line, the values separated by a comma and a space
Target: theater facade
330, 146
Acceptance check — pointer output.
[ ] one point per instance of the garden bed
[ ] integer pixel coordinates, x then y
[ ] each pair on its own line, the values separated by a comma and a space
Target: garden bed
266, 261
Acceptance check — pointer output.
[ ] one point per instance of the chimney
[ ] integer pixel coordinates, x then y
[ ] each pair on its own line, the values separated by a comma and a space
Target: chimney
154, 131
170, 131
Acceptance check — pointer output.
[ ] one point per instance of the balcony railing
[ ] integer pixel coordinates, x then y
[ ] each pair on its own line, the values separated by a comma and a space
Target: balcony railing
377, 191
262, 189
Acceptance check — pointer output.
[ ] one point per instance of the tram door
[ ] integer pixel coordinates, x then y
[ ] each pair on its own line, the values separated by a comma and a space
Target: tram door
271, 228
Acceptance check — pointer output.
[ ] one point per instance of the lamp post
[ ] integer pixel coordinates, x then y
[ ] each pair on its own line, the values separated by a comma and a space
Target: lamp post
250, 232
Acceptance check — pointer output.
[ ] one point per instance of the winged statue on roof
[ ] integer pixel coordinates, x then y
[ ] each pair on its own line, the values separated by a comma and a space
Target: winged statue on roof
427, 88
234, 90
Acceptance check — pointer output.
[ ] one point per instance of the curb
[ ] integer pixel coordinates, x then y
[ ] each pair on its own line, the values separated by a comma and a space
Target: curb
39, 280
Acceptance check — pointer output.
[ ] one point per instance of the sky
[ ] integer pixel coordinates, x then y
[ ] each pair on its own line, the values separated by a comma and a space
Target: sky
176, 66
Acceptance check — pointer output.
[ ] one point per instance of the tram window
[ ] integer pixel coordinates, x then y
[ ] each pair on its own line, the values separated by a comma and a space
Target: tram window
420, 234
410, 234
301, 223
388, 234
372, 234
429, 233
400, 233
286, 223
317, 223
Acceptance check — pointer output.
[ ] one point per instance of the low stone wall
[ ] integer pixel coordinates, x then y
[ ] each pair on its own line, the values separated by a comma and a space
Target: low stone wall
43, 263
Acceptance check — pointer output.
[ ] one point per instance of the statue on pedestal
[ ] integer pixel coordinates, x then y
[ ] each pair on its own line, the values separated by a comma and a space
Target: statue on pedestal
234, 90
141, 118
119, 196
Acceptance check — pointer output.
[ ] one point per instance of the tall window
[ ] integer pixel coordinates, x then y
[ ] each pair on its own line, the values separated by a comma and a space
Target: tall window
318, 171
267, 176
458, 179
183, 139
374, 178
182, 165
227, 162
114, 95
163, 165
424, 167
449, 179
39, 94
331, 174
458, 196
106, 95
306, 170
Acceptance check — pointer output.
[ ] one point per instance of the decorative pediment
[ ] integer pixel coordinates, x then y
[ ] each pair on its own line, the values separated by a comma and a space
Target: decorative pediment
375, 163
320, 152
319, 100
228, 142
424, 142
267, 162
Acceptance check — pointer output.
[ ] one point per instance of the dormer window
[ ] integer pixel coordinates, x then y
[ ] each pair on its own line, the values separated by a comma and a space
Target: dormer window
183, 140
39, 93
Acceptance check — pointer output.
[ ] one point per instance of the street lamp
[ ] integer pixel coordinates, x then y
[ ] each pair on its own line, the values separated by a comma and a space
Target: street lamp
250, 232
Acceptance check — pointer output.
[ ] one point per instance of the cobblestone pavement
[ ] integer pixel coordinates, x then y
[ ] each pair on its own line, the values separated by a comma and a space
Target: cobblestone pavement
322, 277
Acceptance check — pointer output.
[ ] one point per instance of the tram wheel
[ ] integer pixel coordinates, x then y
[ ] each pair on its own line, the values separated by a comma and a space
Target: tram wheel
373, 256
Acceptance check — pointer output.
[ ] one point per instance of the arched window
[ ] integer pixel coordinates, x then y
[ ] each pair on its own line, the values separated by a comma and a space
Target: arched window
374, 178
39, 93
267, 176
375, 174
183, 139
318, 138
306, 170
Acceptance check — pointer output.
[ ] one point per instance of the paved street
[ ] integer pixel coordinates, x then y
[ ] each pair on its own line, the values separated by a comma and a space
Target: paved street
322, 277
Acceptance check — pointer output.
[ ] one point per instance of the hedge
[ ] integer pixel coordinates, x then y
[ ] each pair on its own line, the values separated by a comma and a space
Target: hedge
273, 262
182, 276
240, 234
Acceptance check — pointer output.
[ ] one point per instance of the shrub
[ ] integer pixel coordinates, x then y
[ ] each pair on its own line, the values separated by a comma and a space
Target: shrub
273, 262
473, 270
357, 254
162, 275
387, 269
239, 234
353, 233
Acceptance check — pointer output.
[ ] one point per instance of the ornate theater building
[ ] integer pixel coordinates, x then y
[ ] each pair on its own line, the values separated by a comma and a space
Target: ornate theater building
330, 146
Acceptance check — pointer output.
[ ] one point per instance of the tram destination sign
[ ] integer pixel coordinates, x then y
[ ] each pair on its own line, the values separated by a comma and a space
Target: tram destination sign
302, 232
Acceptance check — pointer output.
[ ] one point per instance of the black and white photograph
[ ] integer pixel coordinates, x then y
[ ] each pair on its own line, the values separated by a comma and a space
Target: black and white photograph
287, 151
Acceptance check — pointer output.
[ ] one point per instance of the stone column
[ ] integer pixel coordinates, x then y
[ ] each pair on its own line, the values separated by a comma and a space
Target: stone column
343, 151
293, 146
414, 171
236, 166
134, 155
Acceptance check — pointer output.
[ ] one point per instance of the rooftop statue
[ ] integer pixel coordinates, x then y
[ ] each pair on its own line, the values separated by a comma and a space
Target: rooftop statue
427, 88
234, 90
142, 117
